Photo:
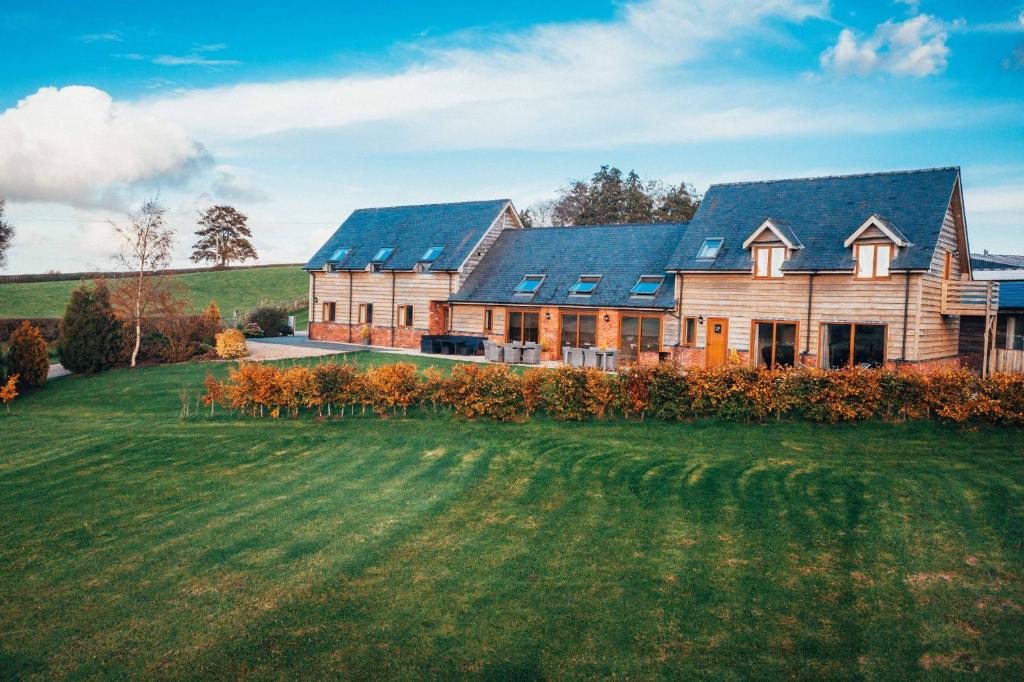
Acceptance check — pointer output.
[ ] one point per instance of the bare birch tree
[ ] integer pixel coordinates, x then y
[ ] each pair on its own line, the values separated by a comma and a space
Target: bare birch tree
146, 245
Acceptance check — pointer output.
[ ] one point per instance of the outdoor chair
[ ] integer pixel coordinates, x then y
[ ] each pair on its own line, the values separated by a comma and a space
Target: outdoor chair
531, 354
513, 353
565, 354
611, 361
493, 351
590, 357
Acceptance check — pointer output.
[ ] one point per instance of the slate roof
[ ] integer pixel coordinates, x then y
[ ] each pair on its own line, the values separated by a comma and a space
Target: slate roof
621, 254
995, 261
411, 230
821, 213
1011, 295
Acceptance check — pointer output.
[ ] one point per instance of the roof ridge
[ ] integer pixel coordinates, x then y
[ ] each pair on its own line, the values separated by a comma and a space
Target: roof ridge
836, 177
588, 227
439, 203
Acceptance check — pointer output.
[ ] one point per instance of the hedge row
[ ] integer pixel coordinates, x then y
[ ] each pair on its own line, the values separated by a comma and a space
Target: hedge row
118, 274
477, 391
48, 326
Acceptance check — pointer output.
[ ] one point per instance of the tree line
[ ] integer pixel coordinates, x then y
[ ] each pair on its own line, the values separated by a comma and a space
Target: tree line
613, 198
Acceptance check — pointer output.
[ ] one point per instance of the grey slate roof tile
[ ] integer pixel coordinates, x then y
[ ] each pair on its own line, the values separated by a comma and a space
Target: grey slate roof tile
821, 213
621, 254
411, 230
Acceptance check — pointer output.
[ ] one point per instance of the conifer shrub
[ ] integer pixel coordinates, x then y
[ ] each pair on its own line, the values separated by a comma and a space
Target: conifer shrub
28, 356
91, 336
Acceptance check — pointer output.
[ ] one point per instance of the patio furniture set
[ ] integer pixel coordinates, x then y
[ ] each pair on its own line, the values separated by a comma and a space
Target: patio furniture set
515, 353
600, 358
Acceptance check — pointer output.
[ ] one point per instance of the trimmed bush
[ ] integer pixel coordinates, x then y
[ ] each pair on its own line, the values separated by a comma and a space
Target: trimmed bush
230, 345
28, 356
272, 320
741, 394
48, 326
91, 338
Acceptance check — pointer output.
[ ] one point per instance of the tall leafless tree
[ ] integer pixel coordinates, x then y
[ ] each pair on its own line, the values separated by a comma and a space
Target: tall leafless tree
6, 236
146, 245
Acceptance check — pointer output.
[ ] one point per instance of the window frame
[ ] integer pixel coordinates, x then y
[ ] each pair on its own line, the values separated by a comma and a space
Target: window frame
641, 279
404, 317
538, 278
488, 321
595, 279
577, 314
704, 245
522, 324
365, 313
686, 341
771, 249
640, 334
333, 307
874, 246
853, 341
775, 335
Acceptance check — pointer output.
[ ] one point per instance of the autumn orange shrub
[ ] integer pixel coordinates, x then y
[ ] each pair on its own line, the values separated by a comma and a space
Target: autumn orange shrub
1005, 394
393, 386
231, 345
635, 388
492, 391
9, 391
337, 386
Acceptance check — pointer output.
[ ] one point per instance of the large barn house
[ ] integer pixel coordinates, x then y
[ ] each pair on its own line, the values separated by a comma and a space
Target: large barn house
869, 270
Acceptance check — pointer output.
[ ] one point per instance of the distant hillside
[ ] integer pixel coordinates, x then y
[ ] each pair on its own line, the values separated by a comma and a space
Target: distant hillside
233, 289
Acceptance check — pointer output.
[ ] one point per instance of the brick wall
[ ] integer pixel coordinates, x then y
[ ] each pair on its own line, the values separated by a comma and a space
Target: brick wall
404, 337
438, 315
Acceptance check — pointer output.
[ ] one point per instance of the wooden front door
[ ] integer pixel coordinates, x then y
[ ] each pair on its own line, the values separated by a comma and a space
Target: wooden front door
716, 351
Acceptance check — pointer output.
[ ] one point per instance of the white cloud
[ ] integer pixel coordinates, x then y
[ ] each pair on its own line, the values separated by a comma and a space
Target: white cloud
110, 37
560, 81
915, 47
76, 145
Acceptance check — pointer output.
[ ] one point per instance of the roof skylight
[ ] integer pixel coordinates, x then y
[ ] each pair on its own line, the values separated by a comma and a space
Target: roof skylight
529, 285
710, 248
431, 255
647, 285
339, 255
585, 285
382, 255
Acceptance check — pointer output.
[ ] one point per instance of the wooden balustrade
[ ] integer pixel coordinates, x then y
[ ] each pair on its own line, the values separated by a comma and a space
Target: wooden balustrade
969, 298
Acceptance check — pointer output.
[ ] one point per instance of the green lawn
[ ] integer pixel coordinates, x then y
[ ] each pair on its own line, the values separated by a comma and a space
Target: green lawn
133, 544
232, 289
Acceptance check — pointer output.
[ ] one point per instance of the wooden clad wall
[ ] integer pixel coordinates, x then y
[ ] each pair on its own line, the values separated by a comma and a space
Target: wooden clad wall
416, 289
837, 298
938, 336
507, 220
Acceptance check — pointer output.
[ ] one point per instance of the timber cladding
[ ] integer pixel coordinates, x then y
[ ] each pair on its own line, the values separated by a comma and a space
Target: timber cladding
386, 291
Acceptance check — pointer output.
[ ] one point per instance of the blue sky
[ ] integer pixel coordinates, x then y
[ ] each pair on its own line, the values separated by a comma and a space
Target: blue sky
298, 114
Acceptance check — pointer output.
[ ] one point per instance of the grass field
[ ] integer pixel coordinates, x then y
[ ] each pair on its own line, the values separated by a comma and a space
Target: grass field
133, 544
232, 289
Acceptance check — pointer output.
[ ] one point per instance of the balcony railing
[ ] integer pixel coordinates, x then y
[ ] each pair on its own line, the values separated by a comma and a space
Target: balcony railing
969, 298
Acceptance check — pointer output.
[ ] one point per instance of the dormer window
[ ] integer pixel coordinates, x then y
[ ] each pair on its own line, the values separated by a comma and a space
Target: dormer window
873, 260
710, 248
647, 285
585, 285
529, 285
768, 261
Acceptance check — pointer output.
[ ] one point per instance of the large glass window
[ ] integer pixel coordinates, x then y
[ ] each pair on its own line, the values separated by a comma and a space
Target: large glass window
873, 260
768, 261
523, 326
853, 345
579, 331
775, 344
639, 335
1015, 332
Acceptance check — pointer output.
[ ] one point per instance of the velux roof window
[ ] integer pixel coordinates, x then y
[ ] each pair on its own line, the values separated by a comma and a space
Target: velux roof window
585, 285
431, 254
529, 285
382, 255
647, 285
710, 248
339, 255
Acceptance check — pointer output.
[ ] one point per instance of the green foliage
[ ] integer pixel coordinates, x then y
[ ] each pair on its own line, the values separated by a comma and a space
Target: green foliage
28, 356
224, 238
271, 320
92, 336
